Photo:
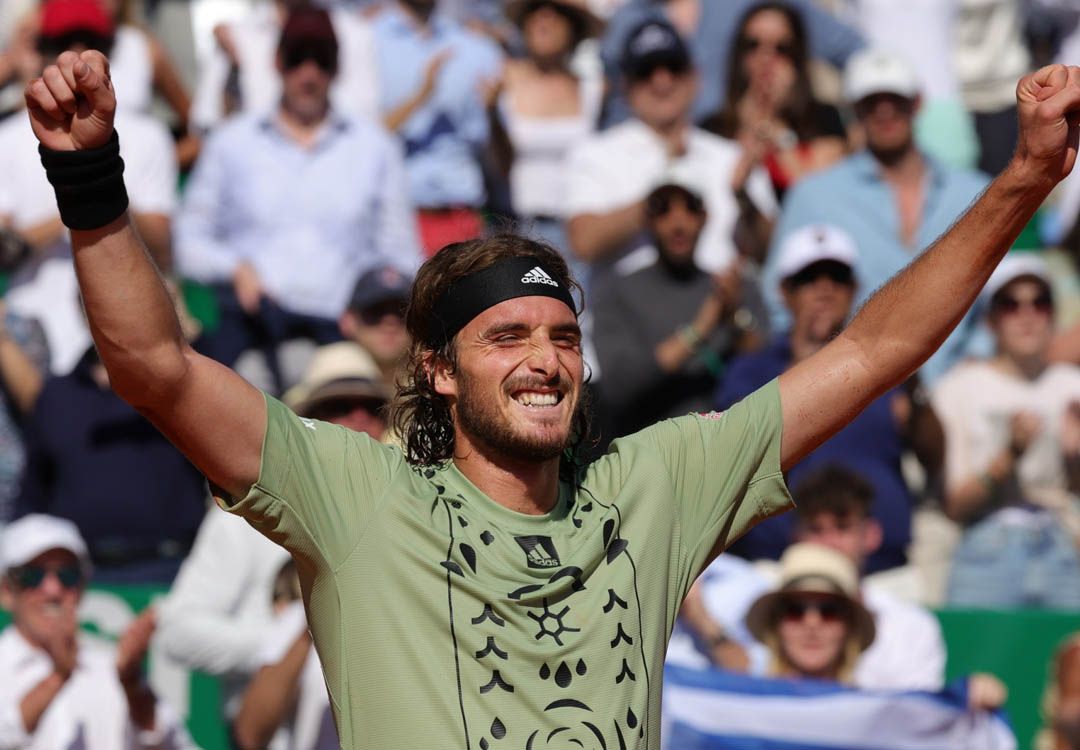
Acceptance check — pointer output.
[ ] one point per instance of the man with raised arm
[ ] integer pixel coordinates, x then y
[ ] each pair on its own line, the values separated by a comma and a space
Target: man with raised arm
480, 588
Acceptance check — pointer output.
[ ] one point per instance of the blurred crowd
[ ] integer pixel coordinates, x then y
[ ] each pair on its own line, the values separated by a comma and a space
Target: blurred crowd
728, 180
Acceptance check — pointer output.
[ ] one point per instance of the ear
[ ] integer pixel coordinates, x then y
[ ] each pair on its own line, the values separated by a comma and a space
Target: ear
347, 324
873, 536
7, 595
442, 375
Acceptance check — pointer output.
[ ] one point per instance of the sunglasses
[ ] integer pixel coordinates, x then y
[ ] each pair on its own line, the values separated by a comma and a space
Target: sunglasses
32, 576
294, 56
838, 273
373, 315
675, 66
1008, 305
660, 205
829, 610
334, 408
783, 49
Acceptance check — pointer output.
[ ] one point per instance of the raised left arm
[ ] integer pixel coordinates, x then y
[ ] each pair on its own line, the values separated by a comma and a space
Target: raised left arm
908, 319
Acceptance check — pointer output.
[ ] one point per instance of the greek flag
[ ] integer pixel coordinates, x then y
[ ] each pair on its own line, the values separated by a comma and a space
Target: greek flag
712, 710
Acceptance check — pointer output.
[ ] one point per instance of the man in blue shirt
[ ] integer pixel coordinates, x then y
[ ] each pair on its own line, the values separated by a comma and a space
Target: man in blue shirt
431, 75
891, 197
284, 212
818, 286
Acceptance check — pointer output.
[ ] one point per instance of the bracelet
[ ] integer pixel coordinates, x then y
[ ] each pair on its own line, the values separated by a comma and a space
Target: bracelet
89, 184
690, 336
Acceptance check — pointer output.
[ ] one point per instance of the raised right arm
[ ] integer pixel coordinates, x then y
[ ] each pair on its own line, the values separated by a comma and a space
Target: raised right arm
209, 412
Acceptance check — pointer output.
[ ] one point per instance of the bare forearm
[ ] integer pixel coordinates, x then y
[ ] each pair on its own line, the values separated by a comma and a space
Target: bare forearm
21, 377
40, 697
156, 232
141, 703
593, 236
268, 698
130, 312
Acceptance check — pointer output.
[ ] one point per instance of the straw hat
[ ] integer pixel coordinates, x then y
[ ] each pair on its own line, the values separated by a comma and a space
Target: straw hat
341, 370
812, 568
588, 24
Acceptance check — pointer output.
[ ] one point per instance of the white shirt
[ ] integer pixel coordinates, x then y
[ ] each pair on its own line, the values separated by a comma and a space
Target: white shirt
89, 713
311, 726
218, 612
621, 165
49, 292
908, 652
131, 68
355, 90
975, 402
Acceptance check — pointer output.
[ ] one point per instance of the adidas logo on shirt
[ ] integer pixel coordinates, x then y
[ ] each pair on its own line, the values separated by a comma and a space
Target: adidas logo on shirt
538, 276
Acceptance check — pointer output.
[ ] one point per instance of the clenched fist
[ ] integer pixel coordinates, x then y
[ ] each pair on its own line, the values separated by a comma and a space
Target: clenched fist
72, 105
1048, 101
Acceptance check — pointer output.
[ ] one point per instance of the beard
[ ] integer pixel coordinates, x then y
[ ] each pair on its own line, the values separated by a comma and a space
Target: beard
479, 416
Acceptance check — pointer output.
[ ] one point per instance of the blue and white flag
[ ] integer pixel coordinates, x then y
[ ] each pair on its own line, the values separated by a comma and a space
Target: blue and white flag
712, 710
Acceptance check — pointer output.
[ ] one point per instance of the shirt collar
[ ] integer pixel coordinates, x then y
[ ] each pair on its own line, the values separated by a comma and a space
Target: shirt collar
334, 125
866, 167
399, 23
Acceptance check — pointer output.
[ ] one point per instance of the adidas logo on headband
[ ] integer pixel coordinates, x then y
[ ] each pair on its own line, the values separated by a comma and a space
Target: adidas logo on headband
538, 276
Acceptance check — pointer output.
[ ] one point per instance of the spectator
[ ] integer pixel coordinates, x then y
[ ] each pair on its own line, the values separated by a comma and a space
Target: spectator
1012, 424
431, 71
612, 172
287, 210
816, 269
24, 360
1061, 700
220, 624
813, 623
94, 460
63, 689
544, 109
288, 691
19, 60
375, 320
990, 54
343, 386
892, 198
664, 360
770, 107
708, 28
241, 76
46, 289
833, 508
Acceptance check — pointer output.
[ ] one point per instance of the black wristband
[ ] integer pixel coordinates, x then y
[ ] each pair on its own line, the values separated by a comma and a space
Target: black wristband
89, 184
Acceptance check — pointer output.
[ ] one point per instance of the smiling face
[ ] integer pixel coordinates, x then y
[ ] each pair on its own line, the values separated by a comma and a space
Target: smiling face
547, 33
42, 609
517, 384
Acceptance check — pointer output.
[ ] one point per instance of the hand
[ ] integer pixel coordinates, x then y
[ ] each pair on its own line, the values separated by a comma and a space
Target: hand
61, 642
1070, 430
431, 73
72, 105
132, 647
986, 692
1024, 428
248, 287
1048, 103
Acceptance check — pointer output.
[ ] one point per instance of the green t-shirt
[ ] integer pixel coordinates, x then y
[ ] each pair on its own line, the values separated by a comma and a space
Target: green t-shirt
445, 620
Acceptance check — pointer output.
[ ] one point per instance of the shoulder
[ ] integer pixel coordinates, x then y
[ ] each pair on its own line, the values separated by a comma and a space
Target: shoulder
142, 131
957, 380
967, 181
898, 613
713, 145
1067, 374
617, 143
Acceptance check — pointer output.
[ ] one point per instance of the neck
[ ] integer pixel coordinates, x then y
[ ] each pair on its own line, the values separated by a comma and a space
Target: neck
903, 167
679, 269
551, 64
529, 487
673, 134
1026, 368
303, 128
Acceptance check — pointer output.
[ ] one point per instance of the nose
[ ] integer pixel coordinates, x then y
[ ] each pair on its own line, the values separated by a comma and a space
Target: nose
50, 585
543, 357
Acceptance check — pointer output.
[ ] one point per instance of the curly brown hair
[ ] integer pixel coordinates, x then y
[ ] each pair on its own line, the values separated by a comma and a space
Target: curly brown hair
420, 416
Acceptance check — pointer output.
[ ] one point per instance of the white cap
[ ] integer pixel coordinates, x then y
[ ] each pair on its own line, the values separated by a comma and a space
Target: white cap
31, 535
812, 244
878, 71
1012, 267
340, 370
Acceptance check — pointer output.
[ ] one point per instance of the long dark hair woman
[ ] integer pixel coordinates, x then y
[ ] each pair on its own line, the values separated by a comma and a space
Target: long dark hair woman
770, 106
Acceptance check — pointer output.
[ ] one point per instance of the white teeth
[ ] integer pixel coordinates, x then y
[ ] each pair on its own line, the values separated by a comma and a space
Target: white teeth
530, 398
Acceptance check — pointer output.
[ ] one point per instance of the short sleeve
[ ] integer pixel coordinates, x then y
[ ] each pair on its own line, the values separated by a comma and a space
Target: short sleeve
725, 470
319, 485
